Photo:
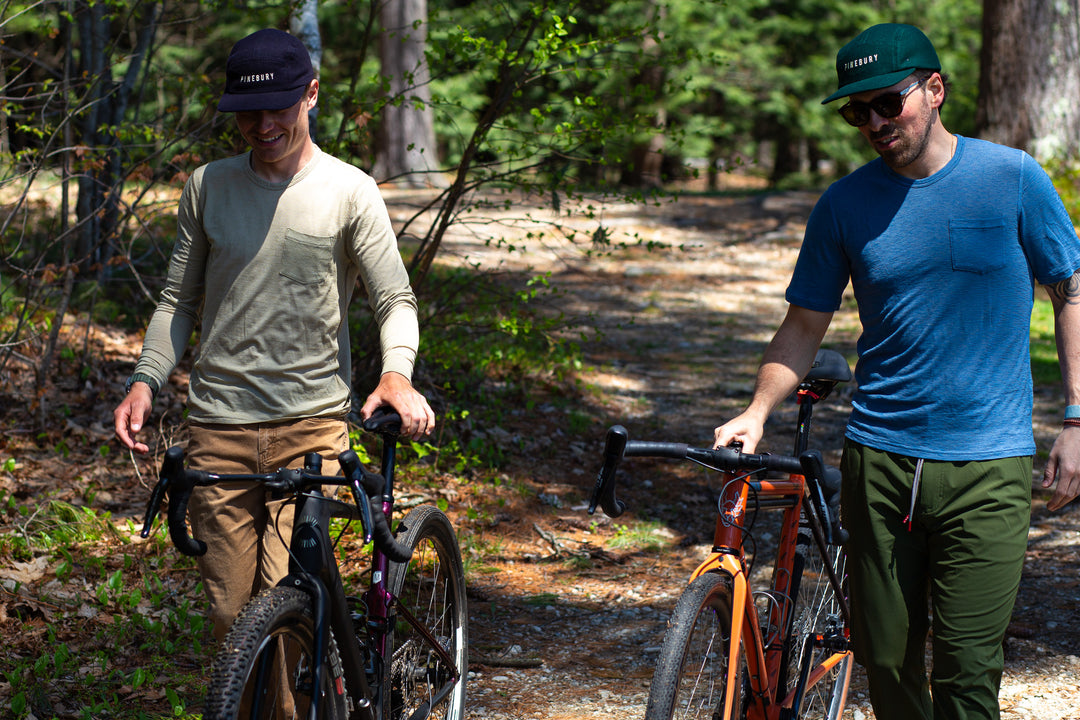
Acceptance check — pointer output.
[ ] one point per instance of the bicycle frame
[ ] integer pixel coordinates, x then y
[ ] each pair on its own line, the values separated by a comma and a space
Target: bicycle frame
809, 497
728, 557
313, 567
380, 602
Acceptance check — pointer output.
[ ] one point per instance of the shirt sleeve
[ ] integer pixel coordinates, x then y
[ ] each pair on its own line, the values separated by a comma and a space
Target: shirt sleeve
822, 270
386, 281
180, 303
1049, 237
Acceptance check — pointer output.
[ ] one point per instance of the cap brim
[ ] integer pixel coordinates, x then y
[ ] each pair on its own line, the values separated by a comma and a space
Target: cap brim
874, 83
246, 102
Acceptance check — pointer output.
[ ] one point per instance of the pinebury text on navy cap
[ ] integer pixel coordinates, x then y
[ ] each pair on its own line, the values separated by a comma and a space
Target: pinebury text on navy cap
256, 78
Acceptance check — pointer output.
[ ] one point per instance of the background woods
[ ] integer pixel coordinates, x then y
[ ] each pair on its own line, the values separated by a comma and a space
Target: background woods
107, 106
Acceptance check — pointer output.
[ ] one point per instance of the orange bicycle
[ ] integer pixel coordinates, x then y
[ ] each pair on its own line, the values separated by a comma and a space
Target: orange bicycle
731, 652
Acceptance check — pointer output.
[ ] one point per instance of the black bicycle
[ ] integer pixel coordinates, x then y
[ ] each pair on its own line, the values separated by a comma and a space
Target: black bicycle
307, 649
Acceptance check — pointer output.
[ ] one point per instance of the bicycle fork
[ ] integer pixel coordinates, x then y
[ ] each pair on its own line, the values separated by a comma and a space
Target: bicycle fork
312, 569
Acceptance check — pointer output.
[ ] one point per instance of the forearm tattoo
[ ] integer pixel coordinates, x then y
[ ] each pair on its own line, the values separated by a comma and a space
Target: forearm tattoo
1068, 290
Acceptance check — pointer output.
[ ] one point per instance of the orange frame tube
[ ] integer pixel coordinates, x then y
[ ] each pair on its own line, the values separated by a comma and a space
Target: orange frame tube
728, 558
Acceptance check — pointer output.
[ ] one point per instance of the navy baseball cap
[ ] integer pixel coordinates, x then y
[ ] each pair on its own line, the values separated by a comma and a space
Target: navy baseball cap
881, 56
268, 70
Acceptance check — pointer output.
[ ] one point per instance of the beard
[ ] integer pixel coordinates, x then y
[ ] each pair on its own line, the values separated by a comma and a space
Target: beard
910, 143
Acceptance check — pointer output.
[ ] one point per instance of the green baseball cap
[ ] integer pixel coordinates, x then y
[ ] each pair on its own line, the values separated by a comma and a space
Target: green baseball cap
881, 56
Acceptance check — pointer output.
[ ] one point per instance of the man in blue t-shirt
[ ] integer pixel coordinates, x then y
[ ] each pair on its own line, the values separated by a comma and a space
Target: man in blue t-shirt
942, 238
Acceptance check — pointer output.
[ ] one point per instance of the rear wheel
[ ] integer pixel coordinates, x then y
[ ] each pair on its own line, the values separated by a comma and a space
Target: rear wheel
817, 637
265, 667
691, 678
431, 587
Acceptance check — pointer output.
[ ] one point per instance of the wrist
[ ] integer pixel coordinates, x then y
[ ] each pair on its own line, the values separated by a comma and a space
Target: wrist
143, 378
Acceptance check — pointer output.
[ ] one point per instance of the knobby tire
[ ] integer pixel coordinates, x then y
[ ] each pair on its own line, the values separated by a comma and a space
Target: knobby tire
431, 586
691, 674
275, 624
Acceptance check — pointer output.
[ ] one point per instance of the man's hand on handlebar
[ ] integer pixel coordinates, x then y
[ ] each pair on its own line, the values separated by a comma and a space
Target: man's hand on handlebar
743, 429
395, 390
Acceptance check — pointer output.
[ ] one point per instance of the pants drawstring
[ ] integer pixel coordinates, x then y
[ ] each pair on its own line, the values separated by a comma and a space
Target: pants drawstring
914, 494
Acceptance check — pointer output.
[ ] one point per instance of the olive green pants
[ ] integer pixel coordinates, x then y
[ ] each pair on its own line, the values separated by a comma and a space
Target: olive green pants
958, 559
245, 530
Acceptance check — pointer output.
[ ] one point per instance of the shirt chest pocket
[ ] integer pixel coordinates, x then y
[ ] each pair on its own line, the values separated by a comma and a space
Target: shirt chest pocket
980, 246
306, 259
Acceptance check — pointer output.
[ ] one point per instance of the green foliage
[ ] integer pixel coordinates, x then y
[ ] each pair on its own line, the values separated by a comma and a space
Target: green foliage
1045, 368
103, 610
47, 525
494, 339
761, 69
1066, 177
495, 327
644, 535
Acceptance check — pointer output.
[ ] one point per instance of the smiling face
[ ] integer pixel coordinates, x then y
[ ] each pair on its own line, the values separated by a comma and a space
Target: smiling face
903, 141
280, 141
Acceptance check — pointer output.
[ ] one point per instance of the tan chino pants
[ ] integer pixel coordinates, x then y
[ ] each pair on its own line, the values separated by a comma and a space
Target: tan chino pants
247, 532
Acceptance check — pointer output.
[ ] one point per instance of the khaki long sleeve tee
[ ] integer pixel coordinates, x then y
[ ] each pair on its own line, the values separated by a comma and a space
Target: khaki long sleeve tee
270, 269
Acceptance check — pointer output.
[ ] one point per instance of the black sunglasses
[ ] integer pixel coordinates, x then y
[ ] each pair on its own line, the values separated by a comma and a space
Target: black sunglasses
889, 105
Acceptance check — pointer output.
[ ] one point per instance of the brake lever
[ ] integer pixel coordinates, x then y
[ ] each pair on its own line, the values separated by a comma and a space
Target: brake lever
154, 506
350, 465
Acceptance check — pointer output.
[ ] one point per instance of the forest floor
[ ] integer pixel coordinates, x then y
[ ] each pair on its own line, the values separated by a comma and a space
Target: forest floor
567, 610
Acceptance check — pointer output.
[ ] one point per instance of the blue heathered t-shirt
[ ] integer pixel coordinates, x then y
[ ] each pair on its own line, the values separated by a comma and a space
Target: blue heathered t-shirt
943, 270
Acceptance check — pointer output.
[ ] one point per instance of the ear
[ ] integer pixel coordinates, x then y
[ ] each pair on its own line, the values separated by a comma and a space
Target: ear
311, 98
935, 86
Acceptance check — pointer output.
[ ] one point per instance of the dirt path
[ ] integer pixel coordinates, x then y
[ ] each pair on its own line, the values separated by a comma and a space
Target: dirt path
563, 626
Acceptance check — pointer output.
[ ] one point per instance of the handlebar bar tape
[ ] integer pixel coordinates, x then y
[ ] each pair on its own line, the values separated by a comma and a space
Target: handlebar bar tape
152, 508
179, 486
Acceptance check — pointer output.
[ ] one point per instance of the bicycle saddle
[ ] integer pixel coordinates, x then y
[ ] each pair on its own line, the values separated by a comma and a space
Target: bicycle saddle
830, 366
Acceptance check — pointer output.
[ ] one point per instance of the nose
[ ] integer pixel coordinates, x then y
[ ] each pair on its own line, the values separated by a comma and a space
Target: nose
263, 120
255, 120
876, 122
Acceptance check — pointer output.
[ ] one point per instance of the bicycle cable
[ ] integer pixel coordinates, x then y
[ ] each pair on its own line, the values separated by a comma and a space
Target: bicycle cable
747, 529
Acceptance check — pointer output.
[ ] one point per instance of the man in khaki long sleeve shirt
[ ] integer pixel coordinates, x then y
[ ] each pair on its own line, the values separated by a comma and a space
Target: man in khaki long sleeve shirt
269, 248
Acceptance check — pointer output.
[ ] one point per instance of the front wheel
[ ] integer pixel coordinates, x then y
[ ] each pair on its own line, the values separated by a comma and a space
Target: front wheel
691, 678
265, 667
430, 587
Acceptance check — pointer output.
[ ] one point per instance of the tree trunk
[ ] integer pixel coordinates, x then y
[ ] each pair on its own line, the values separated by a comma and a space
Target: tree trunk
304, 24
647, 158
101, 182
1030, 77
405, 150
